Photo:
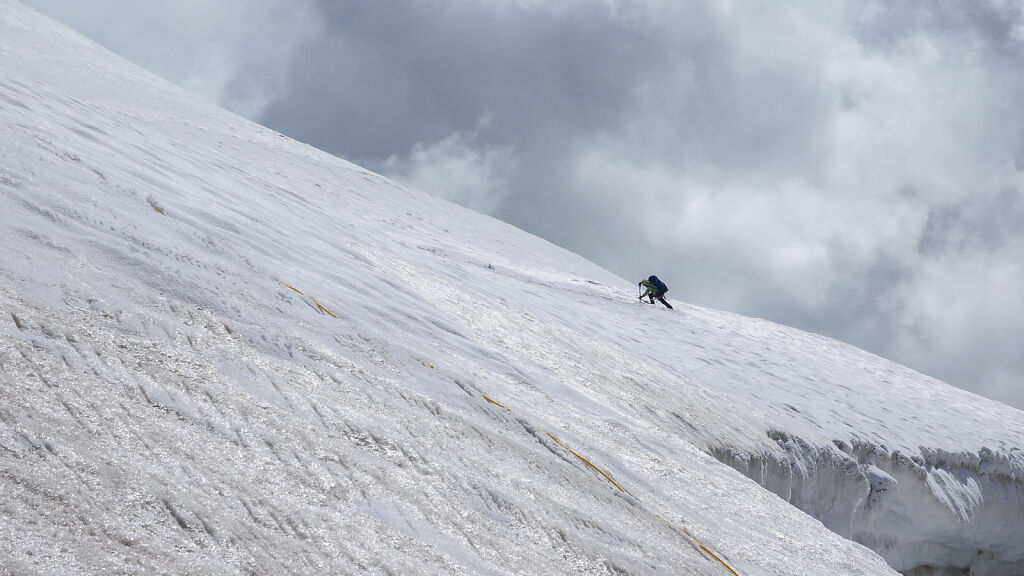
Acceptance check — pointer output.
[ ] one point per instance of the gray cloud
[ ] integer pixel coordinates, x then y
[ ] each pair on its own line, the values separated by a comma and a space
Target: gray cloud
233, 52
391, 74
850, 168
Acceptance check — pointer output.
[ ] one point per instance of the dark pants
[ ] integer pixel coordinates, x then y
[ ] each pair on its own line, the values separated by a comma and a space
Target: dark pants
661, 299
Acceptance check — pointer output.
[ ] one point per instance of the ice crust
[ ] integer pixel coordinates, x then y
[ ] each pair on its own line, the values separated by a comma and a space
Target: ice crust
225, 352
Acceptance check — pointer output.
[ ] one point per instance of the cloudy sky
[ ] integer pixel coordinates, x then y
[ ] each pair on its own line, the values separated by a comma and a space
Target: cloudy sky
853, 168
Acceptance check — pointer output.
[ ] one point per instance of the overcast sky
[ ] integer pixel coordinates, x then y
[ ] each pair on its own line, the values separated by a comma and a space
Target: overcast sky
853, 168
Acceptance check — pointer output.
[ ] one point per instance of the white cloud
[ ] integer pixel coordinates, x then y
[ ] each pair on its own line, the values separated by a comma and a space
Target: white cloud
459, 168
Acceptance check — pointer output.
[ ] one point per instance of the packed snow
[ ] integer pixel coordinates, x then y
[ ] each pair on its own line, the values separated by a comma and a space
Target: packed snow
223, 351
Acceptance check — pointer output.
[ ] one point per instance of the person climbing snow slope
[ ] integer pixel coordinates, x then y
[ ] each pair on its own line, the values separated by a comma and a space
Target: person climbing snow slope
655, 289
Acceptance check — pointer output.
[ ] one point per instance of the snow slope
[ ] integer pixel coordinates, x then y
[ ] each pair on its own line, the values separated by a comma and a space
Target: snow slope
223, 351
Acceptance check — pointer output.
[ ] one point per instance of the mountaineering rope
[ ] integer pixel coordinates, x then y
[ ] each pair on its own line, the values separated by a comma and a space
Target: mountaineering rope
318, 305
587, 462
685, 532
574, 453
321, 307
698, 543
494, 402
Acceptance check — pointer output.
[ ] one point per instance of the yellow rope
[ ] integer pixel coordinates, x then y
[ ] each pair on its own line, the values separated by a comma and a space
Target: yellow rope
699, 543
318, 305
588, 462
321, 306
495, 403
571, 451
621, 489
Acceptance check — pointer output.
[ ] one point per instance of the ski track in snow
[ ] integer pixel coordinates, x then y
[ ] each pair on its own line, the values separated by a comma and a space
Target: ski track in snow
227, 352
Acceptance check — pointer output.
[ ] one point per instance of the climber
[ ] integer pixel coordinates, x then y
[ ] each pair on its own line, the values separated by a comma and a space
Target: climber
655, 289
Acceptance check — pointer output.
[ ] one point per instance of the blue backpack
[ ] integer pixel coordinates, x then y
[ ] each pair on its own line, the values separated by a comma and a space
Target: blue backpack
661, 285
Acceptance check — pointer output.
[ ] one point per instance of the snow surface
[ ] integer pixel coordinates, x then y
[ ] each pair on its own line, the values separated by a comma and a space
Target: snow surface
223, 351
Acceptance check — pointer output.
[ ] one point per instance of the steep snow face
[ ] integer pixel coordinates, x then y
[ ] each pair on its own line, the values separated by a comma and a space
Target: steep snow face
224, 351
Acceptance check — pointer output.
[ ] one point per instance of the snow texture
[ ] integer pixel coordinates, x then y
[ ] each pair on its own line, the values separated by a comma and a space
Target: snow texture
226, 352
